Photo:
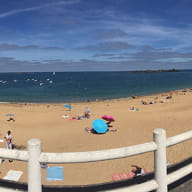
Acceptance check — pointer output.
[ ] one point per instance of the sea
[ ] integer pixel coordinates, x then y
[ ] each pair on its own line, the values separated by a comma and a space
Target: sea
62, 87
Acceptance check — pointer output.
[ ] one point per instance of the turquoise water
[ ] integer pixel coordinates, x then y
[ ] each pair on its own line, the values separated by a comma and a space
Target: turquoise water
87, 86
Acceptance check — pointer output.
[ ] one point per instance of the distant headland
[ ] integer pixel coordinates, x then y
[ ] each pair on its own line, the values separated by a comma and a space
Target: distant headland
156, 71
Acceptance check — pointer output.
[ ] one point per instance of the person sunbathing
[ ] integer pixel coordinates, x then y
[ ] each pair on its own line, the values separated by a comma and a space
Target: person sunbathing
144, 102
11, 119
91, 130
137, 170
132, 108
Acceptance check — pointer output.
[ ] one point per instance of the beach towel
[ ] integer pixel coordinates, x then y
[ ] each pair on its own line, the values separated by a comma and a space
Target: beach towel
55, 174
1, 140
13, 175
72, 119
122, 176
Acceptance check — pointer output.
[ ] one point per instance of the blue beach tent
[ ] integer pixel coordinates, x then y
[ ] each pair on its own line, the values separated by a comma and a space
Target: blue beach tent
99, 126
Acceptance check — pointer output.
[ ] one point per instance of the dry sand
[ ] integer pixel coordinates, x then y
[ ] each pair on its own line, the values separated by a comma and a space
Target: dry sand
59, 134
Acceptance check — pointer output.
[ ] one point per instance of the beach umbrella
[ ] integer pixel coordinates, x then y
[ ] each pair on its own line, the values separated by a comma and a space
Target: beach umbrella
68, 106
10, 115
99, 126
108, 118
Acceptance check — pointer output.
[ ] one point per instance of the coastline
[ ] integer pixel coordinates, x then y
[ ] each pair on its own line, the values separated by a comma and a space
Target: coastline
99, 99
59, 134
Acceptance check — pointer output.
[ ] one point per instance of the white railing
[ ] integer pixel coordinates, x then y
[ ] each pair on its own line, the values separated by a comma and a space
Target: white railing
34, 156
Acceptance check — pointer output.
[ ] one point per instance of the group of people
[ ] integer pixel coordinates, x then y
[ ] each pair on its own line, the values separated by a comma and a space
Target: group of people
149, 103
86, 114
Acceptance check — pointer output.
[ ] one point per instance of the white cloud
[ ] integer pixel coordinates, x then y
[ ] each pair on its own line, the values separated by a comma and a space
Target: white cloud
16, 11
11, 47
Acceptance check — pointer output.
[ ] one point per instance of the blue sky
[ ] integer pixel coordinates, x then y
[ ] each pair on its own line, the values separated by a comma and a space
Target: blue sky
95, 35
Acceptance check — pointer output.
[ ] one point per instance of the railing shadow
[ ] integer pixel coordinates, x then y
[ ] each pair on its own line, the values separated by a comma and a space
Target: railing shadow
19, 147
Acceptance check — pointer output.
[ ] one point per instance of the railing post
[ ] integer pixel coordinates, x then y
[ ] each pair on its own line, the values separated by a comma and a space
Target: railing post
34, 168
160, 168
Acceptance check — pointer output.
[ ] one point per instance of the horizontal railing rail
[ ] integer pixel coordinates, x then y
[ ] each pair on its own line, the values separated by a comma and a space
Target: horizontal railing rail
83, 157
14, 154
178, 138
80, 157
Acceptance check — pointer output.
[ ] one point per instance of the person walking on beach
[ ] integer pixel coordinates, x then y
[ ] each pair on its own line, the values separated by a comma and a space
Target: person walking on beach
9, 143
8, 138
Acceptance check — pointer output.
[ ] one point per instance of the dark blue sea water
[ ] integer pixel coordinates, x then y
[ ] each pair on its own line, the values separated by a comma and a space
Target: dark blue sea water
87, 86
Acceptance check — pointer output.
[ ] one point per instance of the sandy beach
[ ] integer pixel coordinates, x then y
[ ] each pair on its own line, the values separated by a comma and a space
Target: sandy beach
52, 125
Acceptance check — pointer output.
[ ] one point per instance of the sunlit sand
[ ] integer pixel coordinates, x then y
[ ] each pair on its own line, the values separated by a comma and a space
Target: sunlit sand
52, 125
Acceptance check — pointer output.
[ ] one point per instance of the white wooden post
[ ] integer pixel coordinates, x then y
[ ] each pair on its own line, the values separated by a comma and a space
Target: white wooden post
160, 168
34, 168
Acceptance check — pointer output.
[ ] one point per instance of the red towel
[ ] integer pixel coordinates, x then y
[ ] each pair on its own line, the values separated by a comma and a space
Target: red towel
122, 176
